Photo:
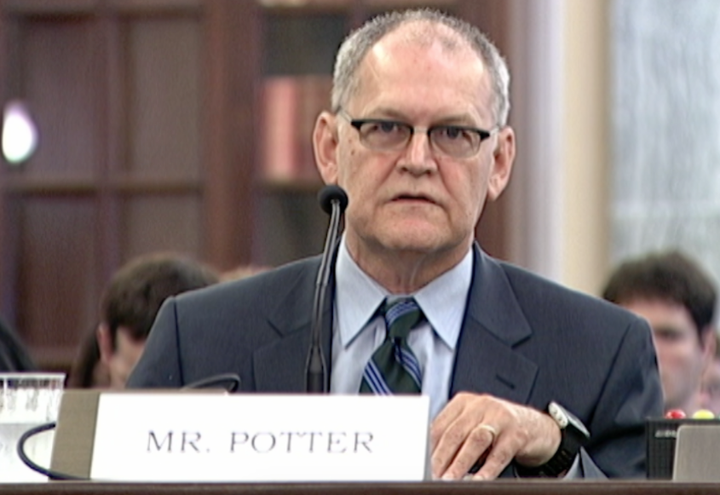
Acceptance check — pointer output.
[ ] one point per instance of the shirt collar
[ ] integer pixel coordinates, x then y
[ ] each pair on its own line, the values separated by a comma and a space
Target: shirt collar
443, 300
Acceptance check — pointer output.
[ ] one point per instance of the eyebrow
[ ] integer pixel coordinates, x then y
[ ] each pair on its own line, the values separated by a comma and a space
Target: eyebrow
667, 329
394, 115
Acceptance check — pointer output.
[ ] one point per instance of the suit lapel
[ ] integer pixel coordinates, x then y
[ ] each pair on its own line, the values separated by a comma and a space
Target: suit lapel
280, 365
487, 360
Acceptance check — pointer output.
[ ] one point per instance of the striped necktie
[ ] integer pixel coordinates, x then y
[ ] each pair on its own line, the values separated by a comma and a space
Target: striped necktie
393, 368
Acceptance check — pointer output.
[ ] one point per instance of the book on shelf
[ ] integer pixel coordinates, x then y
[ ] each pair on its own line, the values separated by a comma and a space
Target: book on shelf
291, 105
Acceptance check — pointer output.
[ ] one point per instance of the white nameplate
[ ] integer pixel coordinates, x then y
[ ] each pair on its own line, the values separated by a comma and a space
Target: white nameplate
185, 437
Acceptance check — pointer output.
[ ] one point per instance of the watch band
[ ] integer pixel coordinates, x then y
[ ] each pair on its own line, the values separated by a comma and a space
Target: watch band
558, 464
573, 435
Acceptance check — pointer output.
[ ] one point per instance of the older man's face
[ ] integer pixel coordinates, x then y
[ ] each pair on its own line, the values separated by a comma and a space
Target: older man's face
418, 199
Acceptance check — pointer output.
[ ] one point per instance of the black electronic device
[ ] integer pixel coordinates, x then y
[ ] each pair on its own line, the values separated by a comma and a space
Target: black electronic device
661, 437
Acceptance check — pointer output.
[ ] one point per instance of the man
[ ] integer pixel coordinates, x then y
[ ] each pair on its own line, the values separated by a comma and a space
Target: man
131, 302
418, 138
678, 299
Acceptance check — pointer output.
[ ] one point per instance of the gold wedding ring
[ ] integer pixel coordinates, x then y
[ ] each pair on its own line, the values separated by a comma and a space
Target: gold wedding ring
490, 429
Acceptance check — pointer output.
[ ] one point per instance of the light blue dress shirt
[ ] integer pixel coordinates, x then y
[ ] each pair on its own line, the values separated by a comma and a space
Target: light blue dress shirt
358, 331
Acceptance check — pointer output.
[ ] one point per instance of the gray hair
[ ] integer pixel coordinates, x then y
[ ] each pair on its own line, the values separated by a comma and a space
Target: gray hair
359, 42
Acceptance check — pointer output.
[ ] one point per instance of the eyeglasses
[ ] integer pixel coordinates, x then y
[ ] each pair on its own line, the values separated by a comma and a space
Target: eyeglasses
456, 141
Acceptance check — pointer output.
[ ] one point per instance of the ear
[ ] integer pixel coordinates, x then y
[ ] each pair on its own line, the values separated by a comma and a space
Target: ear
503, 158
105, 343
325, 142
709, 343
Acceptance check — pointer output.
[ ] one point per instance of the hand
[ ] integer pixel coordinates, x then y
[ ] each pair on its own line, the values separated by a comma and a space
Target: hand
475, 428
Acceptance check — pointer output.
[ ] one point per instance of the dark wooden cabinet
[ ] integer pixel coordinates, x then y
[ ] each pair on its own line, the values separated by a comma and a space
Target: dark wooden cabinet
158, 123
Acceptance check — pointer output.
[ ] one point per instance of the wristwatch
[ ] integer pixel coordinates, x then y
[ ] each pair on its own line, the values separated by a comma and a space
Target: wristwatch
573, 435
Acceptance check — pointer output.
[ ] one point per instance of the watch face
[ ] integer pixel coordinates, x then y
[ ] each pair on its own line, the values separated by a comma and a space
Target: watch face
558, 414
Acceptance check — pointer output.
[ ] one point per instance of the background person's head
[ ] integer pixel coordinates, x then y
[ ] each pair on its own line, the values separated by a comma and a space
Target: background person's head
678, 299
417, 138
132, 300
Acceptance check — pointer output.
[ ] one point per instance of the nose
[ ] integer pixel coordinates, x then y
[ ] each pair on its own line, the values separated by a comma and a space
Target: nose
418, 157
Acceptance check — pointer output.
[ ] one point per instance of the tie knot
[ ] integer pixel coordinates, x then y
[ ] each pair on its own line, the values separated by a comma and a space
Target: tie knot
401, 316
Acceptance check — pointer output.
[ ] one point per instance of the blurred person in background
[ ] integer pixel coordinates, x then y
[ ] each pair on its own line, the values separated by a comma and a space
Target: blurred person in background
87, 370
675, 295
13, 354
131, 302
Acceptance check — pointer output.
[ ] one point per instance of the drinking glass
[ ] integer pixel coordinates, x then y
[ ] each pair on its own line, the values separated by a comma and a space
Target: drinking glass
27, 400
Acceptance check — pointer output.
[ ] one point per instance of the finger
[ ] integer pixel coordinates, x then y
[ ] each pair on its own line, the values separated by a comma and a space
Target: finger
447, 445
476, 444
501, 454
446, 417
480, 460
448, 432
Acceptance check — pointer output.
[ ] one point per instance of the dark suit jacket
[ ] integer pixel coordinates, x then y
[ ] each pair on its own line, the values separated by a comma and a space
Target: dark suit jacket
524, 339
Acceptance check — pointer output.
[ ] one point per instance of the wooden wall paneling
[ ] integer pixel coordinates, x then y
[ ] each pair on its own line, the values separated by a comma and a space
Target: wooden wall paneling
110, 78
49, 7
162, 67
11, 87
231, 68
58, 255
151, 7
118, 88
163, 99
57, 83
7, 271
58, 286
161, 222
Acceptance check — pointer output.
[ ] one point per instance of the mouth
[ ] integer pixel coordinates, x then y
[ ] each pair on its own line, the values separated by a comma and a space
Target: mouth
413, 198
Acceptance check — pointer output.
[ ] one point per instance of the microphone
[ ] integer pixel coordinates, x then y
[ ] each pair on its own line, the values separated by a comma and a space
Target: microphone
333, 201
229, 381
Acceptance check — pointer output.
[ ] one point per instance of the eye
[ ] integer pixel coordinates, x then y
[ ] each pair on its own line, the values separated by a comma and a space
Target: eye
385, 133
383, 127
452, 133
669, 335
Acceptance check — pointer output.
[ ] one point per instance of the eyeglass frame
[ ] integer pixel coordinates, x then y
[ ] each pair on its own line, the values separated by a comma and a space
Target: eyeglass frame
358, 123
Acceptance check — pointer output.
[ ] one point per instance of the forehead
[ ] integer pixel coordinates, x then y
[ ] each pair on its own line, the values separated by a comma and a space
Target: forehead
662, 313
424, 66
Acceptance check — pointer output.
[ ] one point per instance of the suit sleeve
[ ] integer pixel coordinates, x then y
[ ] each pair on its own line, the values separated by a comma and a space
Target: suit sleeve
159, 366
632, 394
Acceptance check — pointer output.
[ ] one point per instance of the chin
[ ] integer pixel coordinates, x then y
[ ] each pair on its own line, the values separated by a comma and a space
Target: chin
415, 240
